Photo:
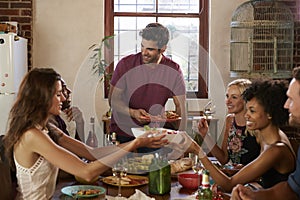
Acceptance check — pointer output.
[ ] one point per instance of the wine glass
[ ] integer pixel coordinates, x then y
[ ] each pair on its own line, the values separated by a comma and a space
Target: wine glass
119, 170
197, 166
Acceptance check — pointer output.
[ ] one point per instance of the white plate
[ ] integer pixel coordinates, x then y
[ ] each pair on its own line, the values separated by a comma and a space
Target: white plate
171, 135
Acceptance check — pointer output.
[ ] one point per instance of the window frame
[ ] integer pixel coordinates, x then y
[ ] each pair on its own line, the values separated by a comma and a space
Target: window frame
202, 92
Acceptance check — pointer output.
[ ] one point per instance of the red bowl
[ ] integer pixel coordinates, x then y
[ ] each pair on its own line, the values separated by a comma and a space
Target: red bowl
189, 181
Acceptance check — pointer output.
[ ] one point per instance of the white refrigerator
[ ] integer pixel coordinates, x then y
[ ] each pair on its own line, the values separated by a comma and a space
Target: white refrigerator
13, 66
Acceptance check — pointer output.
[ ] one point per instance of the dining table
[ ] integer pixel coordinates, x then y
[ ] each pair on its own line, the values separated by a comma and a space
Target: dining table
177, 191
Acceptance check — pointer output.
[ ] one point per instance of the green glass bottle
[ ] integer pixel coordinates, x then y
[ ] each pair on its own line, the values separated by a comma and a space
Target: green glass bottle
159, 175
205, 192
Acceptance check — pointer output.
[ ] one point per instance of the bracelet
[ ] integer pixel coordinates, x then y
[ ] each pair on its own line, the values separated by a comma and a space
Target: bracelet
251, 186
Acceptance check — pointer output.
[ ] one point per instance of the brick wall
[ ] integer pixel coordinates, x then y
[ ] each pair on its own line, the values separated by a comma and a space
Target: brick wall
21, 12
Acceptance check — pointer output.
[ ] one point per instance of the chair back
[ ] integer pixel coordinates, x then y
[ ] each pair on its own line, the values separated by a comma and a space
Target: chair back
6, 188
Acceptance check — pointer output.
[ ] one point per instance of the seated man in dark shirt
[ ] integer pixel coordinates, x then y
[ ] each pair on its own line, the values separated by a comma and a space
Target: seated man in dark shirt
73, 116
71, 120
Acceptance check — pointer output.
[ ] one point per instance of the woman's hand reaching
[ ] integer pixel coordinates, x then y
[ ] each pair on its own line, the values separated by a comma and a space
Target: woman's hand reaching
150, 140
203, 127
187, 145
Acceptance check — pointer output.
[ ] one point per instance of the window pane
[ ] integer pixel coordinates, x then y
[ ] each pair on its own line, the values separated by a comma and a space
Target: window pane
178, 6
134, 6
183, 47
127, 39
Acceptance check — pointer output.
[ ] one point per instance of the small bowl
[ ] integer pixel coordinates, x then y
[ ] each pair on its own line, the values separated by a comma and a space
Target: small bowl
189, 181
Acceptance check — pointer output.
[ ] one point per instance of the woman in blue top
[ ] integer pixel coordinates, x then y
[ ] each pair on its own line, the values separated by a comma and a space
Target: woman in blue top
238, 146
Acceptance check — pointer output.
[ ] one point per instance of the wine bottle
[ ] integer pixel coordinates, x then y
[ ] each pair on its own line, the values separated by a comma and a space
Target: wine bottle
92, 140
205, 192
159, 175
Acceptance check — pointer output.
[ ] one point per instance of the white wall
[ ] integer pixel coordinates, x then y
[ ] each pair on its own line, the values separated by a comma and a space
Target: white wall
220, 18
64, 30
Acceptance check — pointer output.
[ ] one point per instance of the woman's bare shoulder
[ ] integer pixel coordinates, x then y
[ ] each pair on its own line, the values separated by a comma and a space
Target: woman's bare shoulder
34, 137
279, 148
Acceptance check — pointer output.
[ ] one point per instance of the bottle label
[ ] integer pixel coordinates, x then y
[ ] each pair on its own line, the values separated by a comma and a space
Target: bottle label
205, 179
204, 186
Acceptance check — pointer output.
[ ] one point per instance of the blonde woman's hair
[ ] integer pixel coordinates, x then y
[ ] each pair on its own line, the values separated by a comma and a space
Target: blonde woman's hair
241, 83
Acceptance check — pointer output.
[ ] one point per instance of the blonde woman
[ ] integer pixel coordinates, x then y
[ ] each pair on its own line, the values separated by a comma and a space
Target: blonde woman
238, 145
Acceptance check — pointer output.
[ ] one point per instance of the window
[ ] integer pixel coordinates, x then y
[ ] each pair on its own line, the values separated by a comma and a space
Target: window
187, 22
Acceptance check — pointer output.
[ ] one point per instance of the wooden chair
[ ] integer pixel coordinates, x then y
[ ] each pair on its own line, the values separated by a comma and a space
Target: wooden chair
6, 188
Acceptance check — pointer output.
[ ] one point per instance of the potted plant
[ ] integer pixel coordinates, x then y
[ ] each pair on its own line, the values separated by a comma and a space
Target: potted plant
101, 57
100, 64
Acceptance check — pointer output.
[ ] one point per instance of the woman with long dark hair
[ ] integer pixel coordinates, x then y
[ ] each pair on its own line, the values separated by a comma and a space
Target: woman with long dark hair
37, 155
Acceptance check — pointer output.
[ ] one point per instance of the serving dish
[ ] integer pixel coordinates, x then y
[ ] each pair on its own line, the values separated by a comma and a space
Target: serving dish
171, 135
229, 169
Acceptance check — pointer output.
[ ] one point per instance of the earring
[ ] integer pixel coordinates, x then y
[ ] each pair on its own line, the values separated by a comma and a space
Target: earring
269, 117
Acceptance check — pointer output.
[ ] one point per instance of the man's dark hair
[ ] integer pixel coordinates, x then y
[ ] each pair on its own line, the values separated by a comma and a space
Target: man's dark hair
156, 32
296, 73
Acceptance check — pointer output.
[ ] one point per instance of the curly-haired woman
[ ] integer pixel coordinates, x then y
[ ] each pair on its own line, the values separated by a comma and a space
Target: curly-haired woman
264, 115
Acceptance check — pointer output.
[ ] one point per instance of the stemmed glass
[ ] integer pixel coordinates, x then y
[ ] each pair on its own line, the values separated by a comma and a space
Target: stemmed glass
197, 166
119, 170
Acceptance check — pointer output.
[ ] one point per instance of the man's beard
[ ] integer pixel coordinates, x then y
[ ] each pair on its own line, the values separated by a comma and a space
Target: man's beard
293, 122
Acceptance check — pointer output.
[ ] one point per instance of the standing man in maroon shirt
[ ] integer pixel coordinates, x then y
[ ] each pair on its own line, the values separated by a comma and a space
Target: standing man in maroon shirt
142, 83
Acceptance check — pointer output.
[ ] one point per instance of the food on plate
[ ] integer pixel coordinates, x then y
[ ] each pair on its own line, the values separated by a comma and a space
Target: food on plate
147, 158
170, 135
158, 131
87, 192
167, 115
115, 180
229, 169
126, 181
147, 128
140, 163
171, 115
181, 165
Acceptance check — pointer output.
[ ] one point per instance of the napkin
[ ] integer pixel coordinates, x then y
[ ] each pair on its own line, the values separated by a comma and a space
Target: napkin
138, 195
